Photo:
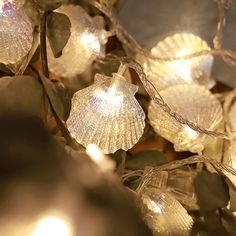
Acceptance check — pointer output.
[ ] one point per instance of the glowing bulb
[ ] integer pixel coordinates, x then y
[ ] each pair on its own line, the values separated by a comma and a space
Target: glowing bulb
104, 163
91, 41
52, 226
95, 153
183, 67
191, 134
153, 206
109, 97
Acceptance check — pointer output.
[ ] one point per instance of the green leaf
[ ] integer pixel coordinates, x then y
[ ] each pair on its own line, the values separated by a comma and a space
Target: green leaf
212, 192
21, 95
54, 91
143, 159
58, 32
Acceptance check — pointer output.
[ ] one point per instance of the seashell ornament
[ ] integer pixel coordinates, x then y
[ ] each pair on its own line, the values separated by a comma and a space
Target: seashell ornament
196, 70
196, 104
229, 157
85, 44
164, 214
107, 114
15, 32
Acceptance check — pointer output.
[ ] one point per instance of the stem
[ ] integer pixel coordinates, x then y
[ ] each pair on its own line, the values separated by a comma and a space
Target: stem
43, 46
43, 52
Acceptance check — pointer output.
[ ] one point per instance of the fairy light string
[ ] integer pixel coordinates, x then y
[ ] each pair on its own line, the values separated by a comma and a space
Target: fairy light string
227, 55
219, 167
156, 97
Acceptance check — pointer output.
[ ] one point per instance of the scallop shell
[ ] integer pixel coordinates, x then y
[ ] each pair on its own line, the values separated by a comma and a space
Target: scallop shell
15, 33
85, 44
230, 145
196, 70
196, 104
164, 214
107, 114
178, 182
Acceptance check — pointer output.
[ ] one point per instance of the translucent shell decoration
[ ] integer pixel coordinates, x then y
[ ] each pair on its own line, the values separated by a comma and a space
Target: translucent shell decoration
196, 104
230, 145
107, 114
85, 44
196, 70
15, 32
164, 214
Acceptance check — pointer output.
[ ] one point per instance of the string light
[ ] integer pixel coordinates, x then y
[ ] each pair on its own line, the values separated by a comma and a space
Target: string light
164, 74
52, 225
15, 32
107, 114
85, 44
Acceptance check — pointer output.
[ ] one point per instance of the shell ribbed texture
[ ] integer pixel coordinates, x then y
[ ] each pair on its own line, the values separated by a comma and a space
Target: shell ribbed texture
196, 104
15, 34
164, 74
84, 45
107, 114
164, 214
230, 146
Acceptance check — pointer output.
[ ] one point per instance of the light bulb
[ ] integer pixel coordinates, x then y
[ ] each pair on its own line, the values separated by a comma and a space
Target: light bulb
85, 44
107, 114
196, 70
104, 163
196, 104
15, 32
50, 226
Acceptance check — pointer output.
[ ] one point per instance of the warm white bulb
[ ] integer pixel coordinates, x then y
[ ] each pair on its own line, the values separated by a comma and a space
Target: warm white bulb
191, 134
91, 41
153, 206
110, 99
52, 226
104, 163
95, 153
183, 67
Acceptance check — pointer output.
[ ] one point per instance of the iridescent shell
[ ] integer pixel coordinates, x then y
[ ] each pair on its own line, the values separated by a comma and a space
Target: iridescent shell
15, 33
164, 74
85, 44
164, 214
107, 114
196, 104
